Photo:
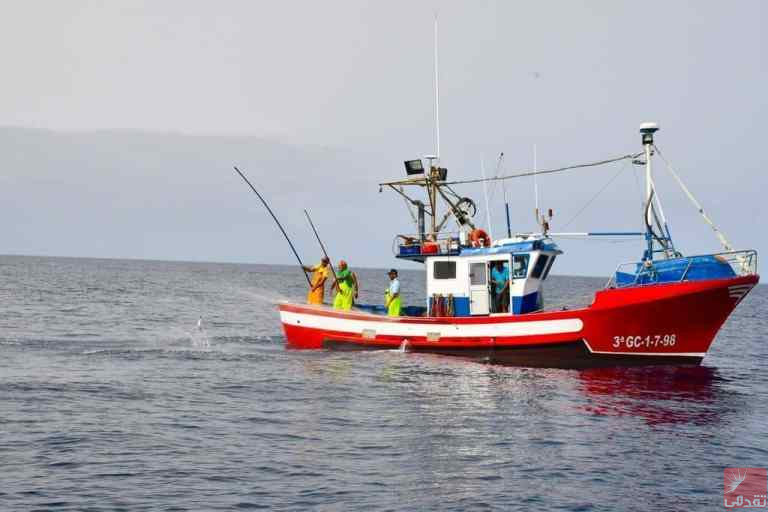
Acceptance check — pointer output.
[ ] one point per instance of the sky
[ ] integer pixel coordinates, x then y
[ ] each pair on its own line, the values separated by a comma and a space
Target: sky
121, 120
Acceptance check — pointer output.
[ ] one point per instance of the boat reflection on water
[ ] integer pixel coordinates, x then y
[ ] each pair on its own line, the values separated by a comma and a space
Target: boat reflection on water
659, 395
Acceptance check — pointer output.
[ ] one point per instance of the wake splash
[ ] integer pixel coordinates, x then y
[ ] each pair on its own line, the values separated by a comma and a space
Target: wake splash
199, 337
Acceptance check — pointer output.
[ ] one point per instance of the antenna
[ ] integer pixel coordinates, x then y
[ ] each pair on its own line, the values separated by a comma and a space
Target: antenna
504, 191
437, 98
485, 192
535, 179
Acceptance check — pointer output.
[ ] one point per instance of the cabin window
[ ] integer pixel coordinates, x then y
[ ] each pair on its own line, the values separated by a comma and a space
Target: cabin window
444, 270
519, 266
541, 263
476, 274
549, 267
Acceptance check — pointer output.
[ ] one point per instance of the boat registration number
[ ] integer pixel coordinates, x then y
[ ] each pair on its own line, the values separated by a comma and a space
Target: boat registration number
650, 341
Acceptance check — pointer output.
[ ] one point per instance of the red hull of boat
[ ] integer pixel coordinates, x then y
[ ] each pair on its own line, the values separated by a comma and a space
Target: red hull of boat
671, 323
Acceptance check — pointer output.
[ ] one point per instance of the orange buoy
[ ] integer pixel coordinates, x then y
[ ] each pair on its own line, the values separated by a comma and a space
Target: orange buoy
479, 238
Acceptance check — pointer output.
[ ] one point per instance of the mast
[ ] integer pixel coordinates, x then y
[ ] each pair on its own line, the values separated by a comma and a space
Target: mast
434, 160
431, 183
437, 100
647, 130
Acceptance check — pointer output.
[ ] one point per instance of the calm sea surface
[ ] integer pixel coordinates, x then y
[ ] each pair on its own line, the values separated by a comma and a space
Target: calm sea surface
112, 399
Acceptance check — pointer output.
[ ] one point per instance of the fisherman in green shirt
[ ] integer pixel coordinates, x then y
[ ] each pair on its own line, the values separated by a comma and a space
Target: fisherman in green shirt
346, 286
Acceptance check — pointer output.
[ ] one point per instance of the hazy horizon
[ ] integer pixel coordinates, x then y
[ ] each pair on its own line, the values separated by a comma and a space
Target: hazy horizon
119, 125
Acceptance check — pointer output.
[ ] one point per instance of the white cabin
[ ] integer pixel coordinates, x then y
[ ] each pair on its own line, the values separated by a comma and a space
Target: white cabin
459, 278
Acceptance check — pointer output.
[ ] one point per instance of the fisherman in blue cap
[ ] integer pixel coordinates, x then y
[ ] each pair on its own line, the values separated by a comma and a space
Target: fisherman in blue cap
392, 299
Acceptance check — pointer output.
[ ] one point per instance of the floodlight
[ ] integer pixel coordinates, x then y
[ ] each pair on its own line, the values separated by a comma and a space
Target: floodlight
414, 167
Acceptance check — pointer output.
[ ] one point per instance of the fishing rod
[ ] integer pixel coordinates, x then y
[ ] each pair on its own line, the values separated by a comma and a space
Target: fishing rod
322, 246
276, 222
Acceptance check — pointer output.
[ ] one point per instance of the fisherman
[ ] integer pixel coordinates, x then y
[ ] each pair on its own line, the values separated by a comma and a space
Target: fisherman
345, 286
392, 299
500, 281
492, 288
316, 293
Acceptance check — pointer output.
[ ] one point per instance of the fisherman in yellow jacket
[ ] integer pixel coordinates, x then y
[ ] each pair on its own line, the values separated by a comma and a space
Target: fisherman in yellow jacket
316, 294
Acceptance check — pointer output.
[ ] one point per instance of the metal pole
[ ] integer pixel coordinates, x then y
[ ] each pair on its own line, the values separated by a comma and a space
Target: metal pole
648, 198
276, 222
509, 228
648, 175
647, 130
433, 199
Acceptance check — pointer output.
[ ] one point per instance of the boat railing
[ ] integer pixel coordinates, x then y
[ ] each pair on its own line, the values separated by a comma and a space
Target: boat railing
742, 263
417, 246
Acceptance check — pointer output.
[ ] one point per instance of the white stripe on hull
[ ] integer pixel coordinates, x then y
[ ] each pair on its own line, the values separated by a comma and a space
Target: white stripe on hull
494, 330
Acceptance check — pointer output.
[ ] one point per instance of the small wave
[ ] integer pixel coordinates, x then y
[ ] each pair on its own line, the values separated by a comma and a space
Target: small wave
117, 351
176, 353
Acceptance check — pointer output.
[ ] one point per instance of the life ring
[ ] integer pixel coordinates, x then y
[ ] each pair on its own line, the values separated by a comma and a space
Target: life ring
479, 238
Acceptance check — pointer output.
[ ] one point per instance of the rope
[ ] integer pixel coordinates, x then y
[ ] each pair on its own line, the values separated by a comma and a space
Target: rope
546, 171
723, 241
408, 207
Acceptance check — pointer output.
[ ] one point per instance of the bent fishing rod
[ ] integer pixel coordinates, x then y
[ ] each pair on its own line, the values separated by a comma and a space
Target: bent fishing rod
276, 222
322, 246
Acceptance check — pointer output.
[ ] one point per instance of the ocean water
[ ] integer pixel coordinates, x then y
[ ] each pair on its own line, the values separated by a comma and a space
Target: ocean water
112, 398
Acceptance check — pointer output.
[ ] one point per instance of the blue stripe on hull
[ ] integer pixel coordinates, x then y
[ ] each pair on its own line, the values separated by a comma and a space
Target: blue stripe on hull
526, 303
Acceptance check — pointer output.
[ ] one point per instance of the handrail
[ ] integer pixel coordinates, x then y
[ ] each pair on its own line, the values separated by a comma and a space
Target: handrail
412, 245
742, 263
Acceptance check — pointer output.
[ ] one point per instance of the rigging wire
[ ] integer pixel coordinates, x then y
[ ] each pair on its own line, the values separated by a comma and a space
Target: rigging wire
408, 207
546, 171
496, 174
592, 200
453, 192
638, 190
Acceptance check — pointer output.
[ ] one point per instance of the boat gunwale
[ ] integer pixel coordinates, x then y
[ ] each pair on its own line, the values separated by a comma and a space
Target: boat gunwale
603, 299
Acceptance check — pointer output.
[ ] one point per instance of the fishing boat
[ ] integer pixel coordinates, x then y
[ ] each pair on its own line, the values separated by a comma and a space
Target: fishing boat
665, 308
